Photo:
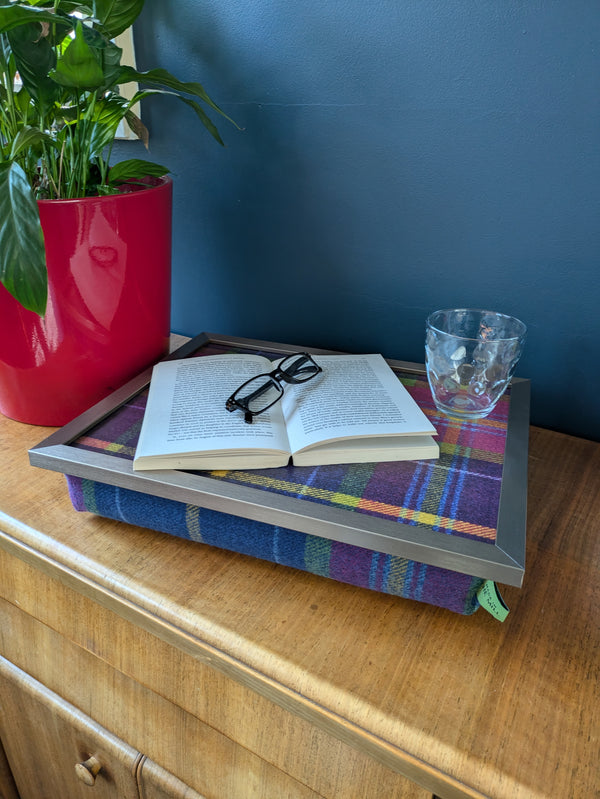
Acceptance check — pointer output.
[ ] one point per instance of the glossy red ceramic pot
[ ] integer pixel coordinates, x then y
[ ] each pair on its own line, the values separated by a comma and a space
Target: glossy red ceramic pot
108, 314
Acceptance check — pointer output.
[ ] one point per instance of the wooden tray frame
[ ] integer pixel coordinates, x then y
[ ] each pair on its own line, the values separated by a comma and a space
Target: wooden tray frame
502, 561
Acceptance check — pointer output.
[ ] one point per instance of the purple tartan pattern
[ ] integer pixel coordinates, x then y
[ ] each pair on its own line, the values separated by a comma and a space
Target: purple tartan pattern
457, 495
341, 562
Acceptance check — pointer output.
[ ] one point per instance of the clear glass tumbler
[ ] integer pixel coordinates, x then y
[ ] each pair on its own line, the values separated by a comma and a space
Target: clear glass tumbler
470, 356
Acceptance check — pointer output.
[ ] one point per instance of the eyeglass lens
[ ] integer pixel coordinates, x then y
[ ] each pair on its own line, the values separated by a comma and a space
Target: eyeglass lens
297, 368
258, 393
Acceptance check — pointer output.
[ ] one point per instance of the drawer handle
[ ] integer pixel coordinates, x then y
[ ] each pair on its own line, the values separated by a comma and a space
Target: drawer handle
87, 771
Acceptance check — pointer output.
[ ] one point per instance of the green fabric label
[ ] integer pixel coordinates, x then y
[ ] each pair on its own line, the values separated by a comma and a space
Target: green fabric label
490, 599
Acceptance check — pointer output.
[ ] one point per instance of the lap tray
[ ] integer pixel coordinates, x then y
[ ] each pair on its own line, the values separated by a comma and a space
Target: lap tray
432, 531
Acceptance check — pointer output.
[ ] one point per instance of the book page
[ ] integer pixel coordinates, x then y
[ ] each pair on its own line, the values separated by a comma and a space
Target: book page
186, 408
356, 395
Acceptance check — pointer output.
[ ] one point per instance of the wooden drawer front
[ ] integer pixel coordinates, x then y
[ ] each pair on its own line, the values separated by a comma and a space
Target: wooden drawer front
156, 783
186, 699
48, 741
200, 756
48, 738
8, 789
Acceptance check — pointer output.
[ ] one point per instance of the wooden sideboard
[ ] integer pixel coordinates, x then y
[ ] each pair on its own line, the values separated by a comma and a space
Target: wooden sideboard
180, 670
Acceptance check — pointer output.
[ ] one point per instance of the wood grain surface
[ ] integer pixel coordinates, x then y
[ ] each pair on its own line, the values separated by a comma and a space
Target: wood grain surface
461, 706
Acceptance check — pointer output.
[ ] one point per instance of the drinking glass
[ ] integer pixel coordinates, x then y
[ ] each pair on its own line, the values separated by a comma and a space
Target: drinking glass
470, 356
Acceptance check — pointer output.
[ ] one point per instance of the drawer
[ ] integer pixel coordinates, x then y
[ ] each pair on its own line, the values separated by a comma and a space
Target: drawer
8, 789
200, 756
58, 751
169, 704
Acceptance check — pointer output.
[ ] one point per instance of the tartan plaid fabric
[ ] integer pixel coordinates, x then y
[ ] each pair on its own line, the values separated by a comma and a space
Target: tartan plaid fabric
457, 495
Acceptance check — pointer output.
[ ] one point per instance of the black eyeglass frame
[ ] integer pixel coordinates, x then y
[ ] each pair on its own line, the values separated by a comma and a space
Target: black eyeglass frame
301, 362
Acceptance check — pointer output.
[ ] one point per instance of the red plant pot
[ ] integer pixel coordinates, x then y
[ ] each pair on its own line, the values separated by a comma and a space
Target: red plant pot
108, 314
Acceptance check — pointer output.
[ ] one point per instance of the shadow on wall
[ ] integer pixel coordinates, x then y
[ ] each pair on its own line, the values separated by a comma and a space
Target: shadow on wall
363, 194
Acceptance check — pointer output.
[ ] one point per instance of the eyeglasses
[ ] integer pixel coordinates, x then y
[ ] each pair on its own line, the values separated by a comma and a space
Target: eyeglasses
261, 392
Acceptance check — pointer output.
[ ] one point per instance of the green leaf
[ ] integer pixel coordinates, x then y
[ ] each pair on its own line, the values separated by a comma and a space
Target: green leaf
117, 15
5, 53
34, 58
27, 138
12, 16
107, 116
22, 255
110, 57
135, 169
67, 6
22, 100
204, 118
164, 80
78, 67
206, 121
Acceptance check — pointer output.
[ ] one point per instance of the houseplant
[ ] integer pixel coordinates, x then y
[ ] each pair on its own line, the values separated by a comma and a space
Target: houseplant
60, 107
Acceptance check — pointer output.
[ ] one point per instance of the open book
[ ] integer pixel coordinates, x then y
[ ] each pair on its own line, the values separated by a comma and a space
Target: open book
355, 411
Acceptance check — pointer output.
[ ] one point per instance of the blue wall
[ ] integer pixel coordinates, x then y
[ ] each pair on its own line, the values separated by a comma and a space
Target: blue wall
396, 156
